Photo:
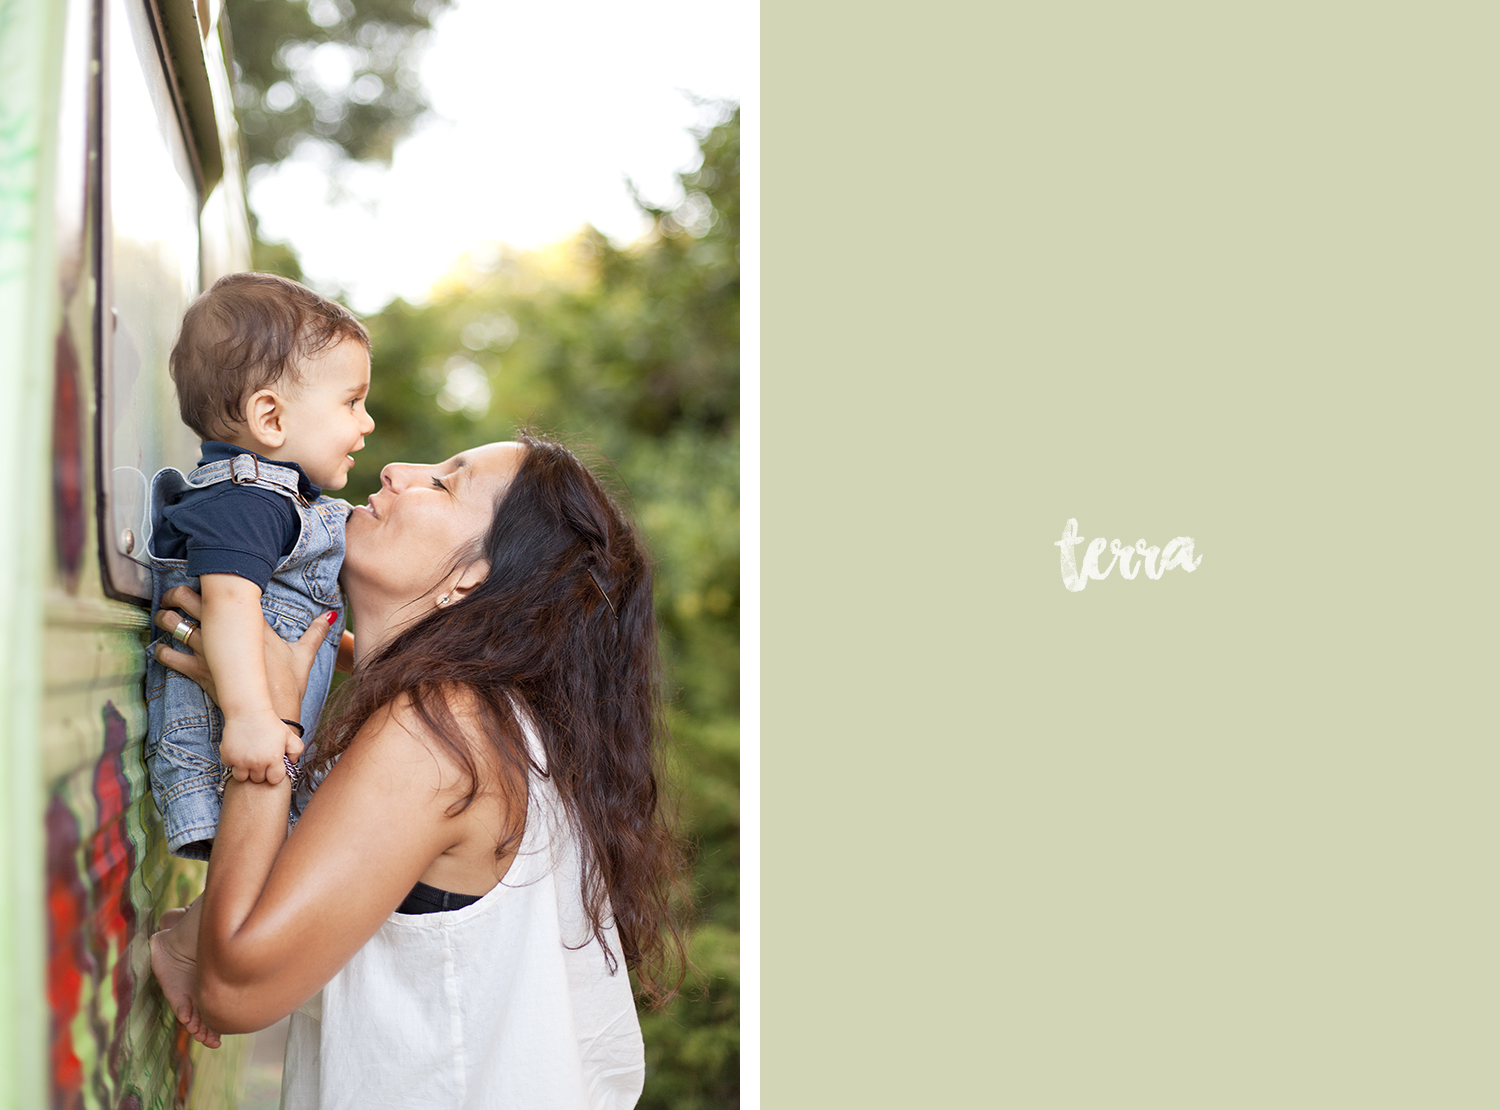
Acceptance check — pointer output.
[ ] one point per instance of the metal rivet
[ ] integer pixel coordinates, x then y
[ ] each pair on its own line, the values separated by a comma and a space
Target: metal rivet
127, 541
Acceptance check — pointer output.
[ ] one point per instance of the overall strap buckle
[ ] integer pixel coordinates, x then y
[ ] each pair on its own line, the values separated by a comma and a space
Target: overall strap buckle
244, 470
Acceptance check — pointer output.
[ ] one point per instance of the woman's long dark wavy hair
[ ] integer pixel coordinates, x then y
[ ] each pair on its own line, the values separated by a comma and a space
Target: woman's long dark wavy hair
564, 627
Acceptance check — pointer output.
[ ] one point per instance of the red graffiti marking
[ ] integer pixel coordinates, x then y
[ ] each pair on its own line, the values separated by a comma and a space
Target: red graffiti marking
91, 920
67, 459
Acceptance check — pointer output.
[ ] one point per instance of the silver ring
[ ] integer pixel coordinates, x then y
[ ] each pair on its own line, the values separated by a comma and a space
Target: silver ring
185, 628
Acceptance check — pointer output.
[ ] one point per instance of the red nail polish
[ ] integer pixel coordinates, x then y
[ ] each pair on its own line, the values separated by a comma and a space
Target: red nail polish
332, 617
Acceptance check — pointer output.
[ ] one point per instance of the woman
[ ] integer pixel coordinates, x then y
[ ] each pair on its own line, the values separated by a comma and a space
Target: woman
495, 754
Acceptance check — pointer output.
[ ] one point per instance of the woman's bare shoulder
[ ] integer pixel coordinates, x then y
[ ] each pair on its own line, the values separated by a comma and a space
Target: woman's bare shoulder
447, 754
446, 740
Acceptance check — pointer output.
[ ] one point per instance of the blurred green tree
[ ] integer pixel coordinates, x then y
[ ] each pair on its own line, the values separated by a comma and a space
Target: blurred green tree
333, 71
269, 257
635, 352
341, 74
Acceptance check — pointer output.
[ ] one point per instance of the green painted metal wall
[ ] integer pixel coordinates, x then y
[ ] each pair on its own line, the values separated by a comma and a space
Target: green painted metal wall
83, 871
29, 33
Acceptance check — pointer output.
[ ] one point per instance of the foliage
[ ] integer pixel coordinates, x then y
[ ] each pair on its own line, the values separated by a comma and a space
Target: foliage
634, 351
268, 257
337, 72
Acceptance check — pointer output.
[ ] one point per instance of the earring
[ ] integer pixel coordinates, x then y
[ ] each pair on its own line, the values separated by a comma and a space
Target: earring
443, 600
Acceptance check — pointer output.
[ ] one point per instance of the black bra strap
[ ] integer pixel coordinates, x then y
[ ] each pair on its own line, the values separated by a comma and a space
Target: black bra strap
429, 899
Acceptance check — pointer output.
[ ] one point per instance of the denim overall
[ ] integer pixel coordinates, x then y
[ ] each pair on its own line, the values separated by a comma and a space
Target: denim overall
183, 726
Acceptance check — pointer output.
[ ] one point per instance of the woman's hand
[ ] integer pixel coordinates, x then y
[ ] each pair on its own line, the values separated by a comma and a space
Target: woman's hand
287, 664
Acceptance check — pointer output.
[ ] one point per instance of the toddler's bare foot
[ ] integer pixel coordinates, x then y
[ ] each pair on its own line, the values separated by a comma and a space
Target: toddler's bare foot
177, 972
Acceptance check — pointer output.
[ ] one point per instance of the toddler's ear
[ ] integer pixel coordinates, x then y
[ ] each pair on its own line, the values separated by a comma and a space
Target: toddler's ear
263, 415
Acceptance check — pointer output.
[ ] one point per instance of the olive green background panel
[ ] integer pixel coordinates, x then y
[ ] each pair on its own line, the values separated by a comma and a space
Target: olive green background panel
1223, 839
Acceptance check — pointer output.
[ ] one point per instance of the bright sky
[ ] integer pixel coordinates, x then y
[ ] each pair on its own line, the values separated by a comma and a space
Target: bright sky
541, 110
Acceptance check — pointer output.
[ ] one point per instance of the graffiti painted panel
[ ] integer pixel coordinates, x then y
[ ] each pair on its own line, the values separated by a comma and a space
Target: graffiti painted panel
114, 1042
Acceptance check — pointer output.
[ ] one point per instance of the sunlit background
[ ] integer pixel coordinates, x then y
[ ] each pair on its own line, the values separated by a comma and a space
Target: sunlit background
536, 209
540, 114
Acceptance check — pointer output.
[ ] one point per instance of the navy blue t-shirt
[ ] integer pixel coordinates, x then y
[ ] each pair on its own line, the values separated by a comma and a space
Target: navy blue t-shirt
230, 529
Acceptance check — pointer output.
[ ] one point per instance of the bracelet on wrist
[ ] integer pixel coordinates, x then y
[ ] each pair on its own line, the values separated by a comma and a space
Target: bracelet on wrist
293, 773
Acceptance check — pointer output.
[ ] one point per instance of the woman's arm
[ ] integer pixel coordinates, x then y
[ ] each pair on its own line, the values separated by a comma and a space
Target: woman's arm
282, 915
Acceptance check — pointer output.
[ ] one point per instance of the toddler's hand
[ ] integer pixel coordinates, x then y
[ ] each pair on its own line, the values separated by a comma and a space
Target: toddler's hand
254, 745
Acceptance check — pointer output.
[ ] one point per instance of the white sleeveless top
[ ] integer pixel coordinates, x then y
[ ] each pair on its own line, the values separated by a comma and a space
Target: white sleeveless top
498, 1004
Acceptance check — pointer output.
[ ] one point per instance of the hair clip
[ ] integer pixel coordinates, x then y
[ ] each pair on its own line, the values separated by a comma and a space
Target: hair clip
598, 586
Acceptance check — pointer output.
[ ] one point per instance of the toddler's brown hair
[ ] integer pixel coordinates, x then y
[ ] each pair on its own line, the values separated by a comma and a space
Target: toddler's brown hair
248, 332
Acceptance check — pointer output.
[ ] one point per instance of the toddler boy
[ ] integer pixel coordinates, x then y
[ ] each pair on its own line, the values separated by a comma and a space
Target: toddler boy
273, 377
